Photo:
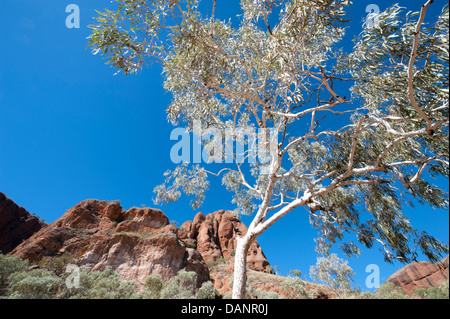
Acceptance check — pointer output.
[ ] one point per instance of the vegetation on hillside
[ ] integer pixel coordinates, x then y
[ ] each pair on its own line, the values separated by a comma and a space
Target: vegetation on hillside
48, 280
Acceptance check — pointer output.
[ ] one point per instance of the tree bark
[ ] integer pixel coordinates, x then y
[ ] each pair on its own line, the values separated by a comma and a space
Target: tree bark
240, 267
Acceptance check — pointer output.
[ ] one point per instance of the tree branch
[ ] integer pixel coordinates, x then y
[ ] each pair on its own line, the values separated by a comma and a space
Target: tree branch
411, 67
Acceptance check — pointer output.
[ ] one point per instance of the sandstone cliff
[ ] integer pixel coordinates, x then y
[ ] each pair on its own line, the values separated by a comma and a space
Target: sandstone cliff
140, 241
420, 274
215, 236
137, 242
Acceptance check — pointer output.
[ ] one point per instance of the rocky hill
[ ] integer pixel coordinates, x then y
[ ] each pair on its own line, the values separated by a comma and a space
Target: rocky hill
16, 224
138, 242
421, 274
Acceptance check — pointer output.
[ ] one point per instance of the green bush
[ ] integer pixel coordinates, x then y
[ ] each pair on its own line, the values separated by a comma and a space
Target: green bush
206, 291
261, 294
251, 292
16, 282
8, 266
441, 292
103, 285
35, 284
386, 291
57, 264
182, 286
154, 284
295, 272
295, 288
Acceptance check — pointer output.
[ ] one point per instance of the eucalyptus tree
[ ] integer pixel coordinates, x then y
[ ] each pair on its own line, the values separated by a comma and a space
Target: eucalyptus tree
353, 163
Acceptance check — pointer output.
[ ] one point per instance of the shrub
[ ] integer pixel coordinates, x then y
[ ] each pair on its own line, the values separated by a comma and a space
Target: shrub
251, 292
8, 266
103, 285
154, 284
440, 292
57, 264
269, 269
219, 261
295, 288
182, 286
206, 291
386, 291
295, 272
261, 294
36, 284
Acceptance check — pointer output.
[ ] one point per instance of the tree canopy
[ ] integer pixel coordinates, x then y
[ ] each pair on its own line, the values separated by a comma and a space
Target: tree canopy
359, 134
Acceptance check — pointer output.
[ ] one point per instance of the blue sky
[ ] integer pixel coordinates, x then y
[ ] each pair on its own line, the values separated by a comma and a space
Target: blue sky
70, 130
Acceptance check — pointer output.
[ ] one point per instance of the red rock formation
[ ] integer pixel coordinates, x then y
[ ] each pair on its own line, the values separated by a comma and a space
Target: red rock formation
215, 236
16, 224
137, 242
140, 241
420, 274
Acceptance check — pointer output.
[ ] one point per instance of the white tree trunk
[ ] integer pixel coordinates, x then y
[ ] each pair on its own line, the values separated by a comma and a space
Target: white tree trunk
240, 267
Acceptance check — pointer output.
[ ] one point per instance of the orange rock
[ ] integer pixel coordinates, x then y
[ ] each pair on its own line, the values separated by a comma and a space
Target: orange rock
420, 274
216, 237
140, 241
137, 243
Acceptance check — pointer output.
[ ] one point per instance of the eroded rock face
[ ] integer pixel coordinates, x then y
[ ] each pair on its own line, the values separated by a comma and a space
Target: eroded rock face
137, 242
215, 236
140, 241
420, 275
16, 224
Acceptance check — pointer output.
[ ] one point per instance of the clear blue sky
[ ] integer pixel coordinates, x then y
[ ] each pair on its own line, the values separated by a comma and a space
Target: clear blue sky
70, 130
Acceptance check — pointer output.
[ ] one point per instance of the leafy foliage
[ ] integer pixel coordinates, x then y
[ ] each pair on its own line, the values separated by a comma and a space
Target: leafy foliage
441, 292
191, 182
333, 272
8, 266
295, 288
182, 286
104, 284
35, 284
154, 284
386, 291
206, 291
19, 282
353, 163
